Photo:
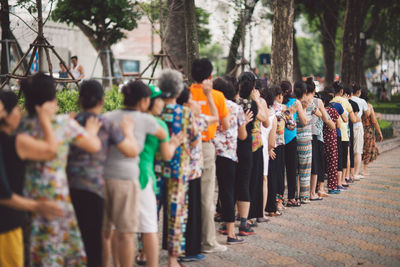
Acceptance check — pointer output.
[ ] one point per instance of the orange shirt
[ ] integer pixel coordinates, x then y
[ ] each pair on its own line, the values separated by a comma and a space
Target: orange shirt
201, 99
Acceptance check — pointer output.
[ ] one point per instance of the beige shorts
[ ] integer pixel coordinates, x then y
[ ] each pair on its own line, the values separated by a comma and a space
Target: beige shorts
358, 140
121, 199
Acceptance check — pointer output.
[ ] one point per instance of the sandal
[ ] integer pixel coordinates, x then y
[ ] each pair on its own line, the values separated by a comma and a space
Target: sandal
139, 261
305, 201
274, 214
293, 203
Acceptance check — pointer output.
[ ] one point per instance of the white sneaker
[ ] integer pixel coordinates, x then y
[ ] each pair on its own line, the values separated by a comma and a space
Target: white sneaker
217, 248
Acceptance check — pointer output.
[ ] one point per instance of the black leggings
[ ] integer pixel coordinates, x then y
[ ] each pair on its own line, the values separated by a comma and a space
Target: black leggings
276, 172
243, 171
256, 185
291, 163
345, 150
226, 176
89, 209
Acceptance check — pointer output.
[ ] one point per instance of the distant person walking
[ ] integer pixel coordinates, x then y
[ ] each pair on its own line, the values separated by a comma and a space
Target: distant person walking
76, 69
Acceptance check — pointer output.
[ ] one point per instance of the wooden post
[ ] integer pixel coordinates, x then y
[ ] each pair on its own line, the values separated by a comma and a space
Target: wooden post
40, 33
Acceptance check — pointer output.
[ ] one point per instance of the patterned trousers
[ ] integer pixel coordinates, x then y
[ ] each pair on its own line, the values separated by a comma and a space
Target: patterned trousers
331, 153
304, 152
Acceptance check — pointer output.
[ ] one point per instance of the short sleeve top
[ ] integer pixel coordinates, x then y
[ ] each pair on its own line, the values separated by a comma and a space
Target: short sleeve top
226, 141
85, 170
11, 181
304, 132
146, 163
178, 118
340, 111
48, 179
347, 107
117, 165
219, 100
363, 107
196, 155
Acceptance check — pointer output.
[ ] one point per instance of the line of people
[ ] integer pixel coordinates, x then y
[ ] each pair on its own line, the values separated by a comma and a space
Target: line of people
91, 181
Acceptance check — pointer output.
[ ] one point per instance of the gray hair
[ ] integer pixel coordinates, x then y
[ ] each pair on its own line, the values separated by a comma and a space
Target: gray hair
171, 83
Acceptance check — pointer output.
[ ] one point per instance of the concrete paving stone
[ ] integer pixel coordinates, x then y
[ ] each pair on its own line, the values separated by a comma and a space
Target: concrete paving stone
360, 227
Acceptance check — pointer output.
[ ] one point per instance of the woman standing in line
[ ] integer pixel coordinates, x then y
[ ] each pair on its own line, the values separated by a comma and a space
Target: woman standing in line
330, 147
276, 171
291, 159
304, 147
56, 242
176, 171
370, 151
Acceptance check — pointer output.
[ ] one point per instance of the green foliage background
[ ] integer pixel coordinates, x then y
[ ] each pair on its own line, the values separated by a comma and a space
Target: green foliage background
68, 101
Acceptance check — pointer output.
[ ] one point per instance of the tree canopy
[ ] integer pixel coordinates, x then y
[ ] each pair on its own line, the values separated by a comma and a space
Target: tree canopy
102, 21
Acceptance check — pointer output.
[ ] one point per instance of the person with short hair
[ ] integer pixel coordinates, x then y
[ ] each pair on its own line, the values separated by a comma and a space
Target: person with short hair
225, 146
358, 130
14, 150
202, 70
317, 143
276, 169
330, 147
121, 173
77, 71
56, 242
304, 144
344, 137
370, 150
291, 159
85, 171
175, 173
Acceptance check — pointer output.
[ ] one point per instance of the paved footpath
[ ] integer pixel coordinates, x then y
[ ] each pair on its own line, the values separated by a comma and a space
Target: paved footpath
358, 227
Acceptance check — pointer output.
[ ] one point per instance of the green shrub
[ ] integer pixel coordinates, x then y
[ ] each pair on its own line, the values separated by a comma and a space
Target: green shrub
386, 128
68, 101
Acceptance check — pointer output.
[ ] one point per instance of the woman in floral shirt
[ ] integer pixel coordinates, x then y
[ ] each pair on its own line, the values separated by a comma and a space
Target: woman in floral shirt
193, 227
175, 172
276, 170
225, 146
86, 170
57, 242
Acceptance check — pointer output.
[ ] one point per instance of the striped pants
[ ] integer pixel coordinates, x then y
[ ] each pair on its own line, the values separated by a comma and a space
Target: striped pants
304, 152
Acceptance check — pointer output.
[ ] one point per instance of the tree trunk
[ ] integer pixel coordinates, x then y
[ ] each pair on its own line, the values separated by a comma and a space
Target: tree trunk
329, 24
5, 35
106, 59
175, 34
350, 69
237, 36
297, 76
192, 44
282, 42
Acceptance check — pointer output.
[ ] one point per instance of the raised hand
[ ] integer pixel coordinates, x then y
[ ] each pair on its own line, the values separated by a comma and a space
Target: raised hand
248, 116
93, 125
47, 110
207, 86
177, 139
195, 108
